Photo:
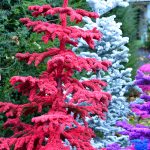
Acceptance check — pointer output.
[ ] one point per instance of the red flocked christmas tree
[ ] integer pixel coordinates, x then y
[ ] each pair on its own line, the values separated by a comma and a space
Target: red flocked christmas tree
66, 97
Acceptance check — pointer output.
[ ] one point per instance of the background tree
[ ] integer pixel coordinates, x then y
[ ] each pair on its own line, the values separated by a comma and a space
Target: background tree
12, 38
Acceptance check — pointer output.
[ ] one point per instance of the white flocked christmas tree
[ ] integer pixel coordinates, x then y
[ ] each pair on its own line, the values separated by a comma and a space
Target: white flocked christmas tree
111, 47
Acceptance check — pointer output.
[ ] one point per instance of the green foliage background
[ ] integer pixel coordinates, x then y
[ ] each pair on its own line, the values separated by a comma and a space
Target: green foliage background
129, 17
147, 43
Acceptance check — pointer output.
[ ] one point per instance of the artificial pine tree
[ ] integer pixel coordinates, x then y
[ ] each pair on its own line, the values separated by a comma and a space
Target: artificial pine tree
111, 47
58, 103
139, 133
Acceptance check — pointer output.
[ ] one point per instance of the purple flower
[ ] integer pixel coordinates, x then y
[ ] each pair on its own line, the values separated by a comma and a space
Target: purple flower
145, 97
140, 134
145, 68
116, 146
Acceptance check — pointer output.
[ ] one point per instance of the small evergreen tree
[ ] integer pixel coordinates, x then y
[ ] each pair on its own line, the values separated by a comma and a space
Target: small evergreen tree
56, 100
111, 47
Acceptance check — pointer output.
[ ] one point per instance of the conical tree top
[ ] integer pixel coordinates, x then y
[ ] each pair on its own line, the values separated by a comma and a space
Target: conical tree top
62, 31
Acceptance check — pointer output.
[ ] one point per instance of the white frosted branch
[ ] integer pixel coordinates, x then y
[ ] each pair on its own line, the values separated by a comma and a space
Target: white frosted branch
102, 6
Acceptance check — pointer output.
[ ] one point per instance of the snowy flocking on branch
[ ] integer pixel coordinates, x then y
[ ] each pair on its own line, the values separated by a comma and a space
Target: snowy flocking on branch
102, 6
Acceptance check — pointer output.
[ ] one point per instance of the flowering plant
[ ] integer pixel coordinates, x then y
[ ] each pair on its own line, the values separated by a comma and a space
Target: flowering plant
140, 134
